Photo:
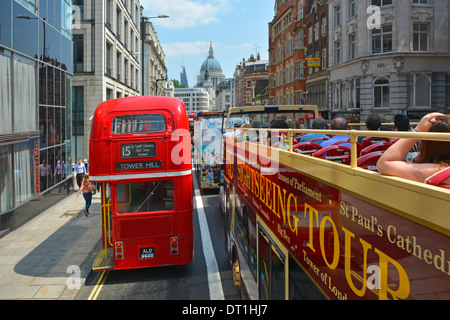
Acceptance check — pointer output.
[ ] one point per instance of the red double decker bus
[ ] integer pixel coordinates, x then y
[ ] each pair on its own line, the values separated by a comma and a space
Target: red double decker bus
140, 153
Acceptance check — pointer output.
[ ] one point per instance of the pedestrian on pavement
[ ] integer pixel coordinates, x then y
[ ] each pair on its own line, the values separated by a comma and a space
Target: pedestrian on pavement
44, 171
60, 173
87, 193
79, 171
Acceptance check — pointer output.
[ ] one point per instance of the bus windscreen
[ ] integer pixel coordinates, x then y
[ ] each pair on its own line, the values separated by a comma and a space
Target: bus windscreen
141, 123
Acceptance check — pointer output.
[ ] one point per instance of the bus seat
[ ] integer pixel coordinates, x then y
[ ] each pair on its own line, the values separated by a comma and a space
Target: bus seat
318, 139
335, 153
439, 178
380, 146
340, 142
358, 145
369, 160
367, 141
306, 147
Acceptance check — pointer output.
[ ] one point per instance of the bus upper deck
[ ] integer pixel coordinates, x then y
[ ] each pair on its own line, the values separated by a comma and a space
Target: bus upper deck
129, 119
304, 224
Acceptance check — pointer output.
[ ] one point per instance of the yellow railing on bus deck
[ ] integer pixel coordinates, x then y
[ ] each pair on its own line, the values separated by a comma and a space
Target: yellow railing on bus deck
353, 136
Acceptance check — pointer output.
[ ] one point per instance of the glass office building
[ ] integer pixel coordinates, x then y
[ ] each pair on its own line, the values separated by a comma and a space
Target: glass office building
36, 62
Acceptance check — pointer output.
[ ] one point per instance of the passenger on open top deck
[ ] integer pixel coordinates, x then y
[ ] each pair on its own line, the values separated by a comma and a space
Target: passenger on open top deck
434, 156
279, 139
338, 123
318, 123
373, 123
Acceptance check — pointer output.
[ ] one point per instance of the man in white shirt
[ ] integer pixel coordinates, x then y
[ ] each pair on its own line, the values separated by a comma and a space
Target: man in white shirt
79, 171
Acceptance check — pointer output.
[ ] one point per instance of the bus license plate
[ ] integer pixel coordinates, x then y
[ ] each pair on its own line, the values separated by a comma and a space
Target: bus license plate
147, 253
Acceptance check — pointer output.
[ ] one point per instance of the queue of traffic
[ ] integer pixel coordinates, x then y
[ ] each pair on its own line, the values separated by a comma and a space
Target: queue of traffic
303, 221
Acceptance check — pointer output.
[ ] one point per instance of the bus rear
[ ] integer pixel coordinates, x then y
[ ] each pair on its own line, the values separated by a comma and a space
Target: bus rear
140, 152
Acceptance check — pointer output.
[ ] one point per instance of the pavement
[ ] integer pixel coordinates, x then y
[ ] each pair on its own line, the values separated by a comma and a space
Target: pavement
51, 256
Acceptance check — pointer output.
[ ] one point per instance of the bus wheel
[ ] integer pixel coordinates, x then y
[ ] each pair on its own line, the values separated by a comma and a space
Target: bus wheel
237, 274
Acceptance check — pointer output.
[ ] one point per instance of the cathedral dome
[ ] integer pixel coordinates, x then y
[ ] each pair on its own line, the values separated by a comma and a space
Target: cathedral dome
211, 62
213, 65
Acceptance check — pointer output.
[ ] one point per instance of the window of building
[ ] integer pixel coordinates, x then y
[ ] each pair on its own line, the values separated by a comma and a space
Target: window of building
5, 95
66, 18
299, 70
78, 53
419, 90
353, 94
118, 24
108, 9
78, 110
298, 34
447, 89
382, 92
300, 11
337, 95
310, 35
382, 39
381, 3
29, 4
119, 66
108, 57
420, 37
337, 52
25, 103
24, 172
316, 31
353, 8
337, 15
324, 26
352, 46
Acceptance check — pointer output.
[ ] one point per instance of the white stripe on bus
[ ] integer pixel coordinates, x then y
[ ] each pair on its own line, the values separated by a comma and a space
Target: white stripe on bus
140, 175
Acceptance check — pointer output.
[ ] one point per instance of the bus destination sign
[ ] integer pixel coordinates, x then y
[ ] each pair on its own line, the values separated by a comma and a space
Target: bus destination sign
140, 165
138, 150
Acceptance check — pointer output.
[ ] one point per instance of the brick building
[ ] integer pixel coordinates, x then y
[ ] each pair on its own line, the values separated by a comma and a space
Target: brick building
251, 80
286, 54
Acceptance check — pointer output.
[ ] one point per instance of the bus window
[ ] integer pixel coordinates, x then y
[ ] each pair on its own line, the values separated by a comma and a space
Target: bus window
244, 230
145, 196
271, 270
141, 123
301, 287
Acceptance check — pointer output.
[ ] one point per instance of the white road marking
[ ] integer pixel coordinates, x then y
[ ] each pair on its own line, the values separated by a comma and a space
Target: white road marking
214, 280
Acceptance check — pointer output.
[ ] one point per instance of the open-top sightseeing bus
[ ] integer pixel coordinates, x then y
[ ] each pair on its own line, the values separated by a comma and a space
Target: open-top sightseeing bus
208, 148
307, 223
140, 153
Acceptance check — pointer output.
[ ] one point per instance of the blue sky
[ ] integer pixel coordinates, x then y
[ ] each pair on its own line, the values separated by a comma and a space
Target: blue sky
237, 28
